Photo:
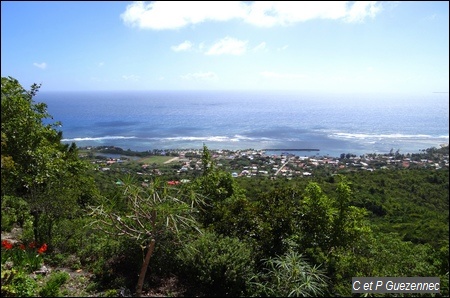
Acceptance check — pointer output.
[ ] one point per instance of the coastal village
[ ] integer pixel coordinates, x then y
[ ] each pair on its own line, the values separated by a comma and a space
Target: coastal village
258, 163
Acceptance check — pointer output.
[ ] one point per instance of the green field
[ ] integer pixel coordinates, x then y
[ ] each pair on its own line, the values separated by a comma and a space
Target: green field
155, 159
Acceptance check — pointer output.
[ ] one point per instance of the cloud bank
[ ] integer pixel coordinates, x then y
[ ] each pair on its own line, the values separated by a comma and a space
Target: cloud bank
166, 15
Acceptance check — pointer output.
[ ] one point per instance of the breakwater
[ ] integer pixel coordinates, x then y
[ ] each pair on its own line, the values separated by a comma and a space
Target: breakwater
291, 150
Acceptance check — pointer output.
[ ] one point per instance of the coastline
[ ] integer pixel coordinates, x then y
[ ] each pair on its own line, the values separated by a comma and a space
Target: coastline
329, 148
113, 151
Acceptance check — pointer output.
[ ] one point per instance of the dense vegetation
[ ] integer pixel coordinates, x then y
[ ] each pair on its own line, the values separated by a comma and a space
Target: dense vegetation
216, 235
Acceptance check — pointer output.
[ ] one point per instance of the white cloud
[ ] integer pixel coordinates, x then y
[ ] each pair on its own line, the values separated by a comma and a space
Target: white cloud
283, 48
42, 65
131, 78
431, 17
260, 47
270, 13
361, 10
160, 15
208, 76
184, 46
228, 45
276, 75
100, 64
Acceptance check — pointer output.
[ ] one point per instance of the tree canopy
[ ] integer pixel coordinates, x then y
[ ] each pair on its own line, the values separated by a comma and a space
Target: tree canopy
36, 166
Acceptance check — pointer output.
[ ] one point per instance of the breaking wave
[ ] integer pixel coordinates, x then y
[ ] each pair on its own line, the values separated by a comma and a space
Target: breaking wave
235, 138
344, 135
105, 138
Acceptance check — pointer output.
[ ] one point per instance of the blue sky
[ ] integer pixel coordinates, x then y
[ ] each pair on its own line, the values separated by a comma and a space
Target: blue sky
340, 47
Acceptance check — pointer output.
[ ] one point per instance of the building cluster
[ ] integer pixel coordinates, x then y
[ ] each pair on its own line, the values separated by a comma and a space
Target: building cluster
253, 163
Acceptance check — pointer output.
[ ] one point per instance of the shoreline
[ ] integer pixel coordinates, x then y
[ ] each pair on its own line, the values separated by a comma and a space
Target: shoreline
313, 153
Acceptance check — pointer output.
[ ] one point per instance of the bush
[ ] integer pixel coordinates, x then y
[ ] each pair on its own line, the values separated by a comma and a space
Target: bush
290, 275
71, 235
221, 266
116, 264
14, 211
17, 283
53, 285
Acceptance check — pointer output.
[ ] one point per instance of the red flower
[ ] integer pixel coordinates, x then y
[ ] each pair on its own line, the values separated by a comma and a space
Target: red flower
42, 249
32, 244
6, 244
22, 246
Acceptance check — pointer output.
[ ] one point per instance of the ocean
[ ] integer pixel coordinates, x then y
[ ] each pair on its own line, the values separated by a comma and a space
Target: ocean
234, 120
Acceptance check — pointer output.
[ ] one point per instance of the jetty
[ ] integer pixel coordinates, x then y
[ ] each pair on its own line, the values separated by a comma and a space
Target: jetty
287, 150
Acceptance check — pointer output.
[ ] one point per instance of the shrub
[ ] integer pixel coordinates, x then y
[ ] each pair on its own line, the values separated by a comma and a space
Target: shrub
114, 263
220, 265
53, 285
14, 211
70, 235
290, 275
16, 283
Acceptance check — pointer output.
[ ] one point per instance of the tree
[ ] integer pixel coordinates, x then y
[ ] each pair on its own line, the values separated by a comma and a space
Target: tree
23, 133
207, 162
341, 219
215, 186
149, 214
36, 166
275, 220
316, 218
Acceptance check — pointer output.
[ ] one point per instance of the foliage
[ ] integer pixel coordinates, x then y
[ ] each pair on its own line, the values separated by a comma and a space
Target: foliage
290, 275
148, 214
28, 257
235, 217
275, 219
214, 186
264, 218
38, 165
413, 203
30, 144
112, 261
15, 210
316, 218
403, 258
221, 266
17, 283
53, 284
382, 223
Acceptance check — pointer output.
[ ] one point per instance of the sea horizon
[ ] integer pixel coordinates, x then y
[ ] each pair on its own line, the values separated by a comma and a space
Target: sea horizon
237, 120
